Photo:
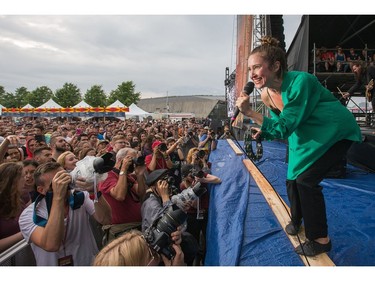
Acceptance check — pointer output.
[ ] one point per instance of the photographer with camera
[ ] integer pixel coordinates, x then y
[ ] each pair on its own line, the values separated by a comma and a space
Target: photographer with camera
124, 189
198, 157
208, 140
157, 202
226, 134
132, 249
177, 157
57, 223
159, 159
190, 140
197, 210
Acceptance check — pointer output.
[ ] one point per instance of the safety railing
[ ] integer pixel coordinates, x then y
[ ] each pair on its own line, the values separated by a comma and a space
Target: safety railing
19, 254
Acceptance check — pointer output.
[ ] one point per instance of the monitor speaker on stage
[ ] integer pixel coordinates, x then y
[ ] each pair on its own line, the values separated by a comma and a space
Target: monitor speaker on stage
362, 154
338, 171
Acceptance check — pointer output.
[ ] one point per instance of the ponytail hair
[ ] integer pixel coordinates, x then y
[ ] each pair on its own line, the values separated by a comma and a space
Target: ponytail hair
270, 51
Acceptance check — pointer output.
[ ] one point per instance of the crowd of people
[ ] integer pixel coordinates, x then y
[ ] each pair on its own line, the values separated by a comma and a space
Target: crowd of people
71, 217
341, 60
360, 63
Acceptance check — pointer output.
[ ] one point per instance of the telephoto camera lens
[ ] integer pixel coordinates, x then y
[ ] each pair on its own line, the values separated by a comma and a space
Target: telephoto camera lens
158, 235
170, 221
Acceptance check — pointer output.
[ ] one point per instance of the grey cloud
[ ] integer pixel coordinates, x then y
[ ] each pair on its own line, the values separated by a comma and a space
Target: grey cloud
179, 54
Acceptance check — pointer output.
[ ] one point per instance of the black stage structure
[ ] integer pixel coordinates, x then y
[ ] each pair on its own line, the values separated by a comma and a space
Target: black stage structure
346, 31
330, 31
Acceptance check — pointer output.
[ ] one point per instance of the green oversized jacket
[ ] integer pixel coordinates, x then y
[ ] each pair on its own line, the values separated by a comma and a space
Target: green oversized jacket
312, 120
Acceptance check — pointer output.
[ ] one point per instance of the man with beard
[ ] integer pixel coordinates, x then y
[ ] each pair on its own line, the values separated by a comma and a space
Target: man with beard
39, 134
58, 145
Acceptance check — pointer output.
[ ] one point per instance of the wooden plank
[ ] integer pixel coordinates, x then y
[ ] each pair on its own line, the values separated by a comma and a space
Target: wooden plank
234, 147
281, 211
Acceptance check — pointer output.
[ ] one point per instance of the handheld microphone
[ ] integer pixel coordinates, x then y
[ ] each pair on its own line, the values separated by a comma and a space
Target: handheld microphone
248, 89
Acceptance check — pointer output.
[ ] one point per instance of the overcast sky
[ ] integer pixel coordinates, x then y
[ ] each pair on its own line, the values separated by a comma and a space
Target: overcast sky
178, 55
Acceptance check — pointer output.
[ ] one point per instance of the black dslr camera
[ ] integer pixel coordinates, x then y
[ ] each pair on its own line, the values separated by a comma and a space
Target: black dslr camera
201, 154
171, 183
163, 147
140, 161
158, 235
105, 163
197, 173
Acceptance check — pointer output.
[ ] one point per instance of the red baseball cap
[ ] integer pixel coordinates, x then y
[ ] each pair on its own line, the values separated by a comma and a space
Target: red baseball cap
156, 143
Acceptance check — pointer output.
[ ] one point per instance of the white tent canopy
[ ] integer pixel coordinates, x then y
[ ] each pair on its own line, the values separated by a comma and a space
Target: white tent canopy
117, 103
50, 104
134, 110
28, 106
82, 104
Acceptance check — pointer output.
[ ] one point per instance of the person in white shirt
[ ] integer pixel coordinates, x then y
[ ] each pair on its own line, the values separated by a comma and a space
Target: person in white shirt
57, 223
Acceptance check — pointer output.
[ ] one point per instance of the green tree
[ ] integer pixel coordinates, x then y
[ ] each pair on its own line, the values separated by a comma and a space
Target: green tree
2, 95
39, 96
20, 96
95, 96
68, 96
8, 100
125, 93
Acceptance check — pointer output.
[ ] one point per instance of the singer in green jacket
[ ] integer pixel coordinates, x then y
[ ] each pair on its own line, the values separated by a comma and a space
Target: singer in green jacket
319, 131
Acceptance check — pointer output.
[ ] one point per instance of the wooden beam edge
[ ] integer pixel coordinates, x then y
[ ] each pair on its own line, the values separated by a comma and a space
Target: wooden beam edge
234, 147
281, 211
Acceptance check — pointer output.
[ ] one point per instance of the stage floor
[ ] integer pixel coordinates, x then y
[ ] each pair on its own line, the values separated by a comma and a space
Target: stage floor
243, 230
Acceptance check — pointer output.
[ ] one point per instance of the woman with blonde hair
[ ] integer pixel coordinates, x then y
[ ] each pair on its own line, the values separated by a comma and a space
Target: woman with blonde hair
67, 160
131, 249
195, 157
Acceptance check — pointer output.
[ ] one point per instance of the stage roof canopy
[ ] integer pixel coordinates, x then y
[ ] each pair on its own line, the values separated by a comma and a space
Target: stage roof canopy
347, 31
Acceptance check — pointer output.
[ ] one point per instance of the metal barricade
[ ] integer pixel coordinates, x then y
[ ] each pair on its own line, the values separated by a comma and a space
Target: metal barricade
19, 254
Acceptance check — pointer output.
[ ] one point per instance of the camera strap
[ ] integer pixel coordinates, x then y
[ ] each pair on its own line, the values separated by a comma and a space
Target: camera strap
38, 220
75, 201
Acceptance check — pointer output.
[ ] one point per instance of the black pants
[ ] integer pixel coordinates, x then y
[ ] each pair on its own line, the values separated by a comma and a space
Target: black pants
195, 227
305, 194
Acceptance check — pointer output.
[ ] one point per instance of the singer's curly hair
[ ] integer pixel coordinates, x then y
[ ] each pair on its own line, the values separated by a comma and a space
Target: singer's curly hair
271, 52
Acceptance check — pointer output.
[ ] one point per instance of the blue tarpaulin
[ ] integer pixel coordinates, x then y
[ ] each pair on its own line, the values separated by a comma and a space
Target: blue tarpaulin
243, 231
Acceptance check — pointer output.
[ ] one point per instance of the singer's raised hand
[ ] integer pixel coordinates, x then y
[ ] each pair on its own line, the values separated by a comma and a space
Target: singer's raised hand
244, 106
247, 90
